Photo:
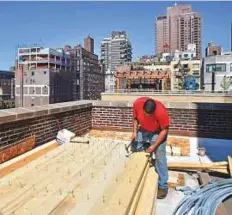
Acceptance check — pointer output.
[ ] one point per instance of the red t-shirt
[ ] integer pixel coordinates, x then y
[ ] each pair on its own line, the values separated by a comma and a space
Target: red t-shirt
158, 120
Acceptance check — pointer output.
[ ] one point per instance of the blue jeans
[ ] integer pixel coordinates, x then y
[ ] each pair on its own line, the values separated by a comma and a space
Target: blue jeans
142, 143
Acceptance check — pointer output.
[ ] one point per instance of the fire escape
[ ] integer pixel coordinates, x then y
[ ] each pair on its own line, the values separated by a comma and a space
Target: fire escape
181, 73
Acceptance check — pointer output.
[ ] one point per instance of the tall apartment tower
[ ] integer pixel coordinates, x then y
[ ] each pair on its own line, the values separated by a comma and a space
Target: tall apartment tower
161, 29
116, 50
89, 44
178, 28
190, 32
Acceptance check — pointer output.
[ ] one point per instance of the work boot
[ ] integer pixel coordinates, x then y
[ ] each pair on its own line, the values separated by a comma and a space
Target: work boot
162, 193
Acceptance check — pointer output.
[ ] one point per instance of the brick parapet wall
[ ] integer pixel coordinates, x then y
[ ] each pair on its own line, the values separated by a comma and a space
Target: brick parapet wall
43, 122
208, 120
192, 119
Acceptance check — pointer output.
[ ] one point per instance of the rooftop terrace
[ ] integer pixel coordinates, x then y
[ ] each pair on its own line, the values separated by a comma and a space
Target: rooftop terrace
190, 120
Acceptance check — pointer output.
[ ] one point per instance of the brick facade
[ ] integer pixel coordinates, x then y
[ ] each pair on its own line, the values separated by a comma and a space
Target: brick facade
202, 121
45, 127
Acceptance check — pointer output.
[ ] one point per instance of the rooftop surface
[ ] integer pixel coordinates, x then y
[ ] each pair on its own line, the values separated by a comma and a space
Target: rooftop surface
89, 172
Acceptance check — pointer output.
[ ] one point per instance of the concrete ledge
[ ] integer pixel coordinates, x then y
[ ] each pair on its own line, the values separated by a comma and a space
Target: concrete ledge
172, 97
16, 114
176, 105
196, 94
111, 104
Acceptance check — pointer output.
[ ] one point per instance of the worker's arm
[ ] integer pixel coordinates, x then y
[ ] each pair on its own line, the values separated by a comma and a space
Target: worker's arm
135, 124
135, 129
159, 140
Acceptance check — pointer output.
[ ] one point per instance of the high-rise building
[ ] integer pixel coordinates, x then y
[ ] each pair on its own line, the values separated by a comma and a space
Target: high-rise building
89, 44
161, 30
173, 15
190, 32
106, 53
177, 29
43, 76
116, 50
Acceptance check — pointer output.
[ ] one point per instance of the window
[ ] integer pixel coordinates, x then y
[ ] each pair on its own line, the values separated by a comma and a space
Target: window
45, 90
196, 72
231, 67
216, 67
17, 90
196, 66
32, 73
38, 90
45, 72
31, 90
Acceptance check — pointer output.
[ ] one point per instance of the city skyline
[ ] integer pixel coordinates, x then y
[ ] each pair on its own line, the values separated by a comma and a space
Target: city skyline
67, 23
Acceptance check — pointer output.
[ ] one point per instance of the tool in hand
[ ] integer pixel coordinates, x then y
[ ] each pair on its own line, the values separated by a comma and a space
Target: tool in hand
127, 147
144, 146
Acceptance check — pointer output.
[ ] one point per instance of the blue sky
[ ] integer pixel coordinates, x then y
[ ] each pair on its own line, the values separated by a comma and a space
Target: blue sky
55, 24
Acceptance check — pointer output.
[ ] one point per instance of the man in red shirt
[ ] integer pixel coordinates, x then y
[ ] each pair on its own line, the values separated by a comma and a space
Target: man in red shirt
150, 130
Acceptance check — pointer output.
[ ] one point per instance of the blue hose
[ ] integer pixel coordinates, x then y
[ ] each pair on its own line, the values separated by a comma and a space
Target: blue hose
204, 201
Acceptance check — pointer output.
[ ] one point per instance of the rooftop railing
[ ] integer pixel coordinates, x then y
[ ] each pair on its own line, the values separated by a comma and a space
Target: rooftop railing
171, 92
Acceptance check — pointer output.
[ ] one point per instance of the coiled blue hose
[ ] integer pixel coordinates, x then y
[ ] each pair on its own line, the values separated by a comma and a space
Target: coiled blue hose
204, 201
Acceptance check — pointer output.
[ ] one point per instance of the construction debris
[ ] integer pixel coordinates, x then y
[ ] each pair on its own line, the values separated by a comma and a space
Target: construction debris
175, 179
221, 167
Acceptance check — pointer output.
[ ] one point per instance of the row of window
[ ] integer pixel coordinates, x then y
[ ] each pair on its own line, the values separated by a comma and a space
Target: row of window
220, 67
33, 73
